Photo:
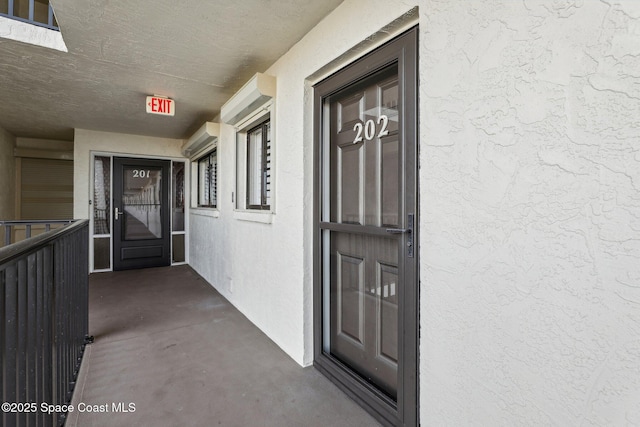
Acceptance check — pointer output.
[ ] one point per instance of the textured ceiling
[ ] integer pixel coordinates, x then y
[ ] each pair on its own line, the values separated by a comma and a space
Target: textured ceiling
196, 52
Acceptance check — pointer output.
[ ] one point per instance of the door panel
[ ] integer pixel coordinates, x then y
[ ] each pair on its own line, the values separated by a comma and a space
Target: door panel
350, 205
387, 312
364, 306
364, 153
390, 178
141, 213
349, 299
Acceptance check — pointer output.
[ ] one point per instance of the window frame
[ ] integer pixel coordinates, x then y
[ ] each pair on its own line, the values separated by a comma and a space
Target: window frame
265, 167
207, 156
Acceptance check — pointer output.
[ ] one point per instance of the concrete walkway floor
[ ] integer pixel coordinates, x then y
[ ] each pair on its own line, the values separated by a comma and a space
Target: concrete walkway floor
172, 351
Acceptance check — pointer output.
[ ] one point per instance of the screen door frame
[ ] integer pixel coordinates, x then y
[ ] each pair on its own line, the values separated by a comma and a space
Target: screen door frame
403, 52
153, 252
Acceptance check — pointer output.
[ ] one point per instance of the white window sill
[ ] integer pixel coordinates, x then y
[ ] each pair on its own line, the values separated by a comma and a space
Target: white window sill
264, 217
213, 213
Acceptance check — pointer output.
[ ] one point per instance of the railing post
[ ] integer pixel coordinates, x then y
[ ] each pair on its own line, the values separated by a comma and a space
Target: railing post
10, 8
28, 224
50, 17
10, 320
31, 9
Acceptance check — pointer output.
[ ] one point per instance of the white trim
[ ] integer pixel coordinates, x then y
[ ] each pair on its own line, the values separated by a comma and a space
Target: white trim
210, 212
252, 215
13, 29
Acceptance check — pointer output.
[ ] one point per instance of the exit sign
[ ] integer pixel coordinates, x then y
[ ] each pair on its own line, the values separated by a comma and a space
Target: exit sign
161, 105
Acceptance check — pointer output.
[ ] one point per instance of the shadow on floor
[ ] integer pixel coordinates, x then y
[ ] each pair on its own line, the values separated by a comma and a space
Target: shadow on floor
168, 343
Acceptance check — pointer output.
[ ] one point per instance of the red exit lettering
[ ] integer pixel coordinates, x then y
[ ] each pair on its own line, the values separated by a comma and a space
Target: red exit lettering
164, 106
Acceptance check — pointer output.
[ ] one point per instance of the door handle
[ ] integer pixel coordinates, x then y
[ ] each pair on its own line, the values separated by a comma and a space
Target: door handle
409, 231
117, 213
398, 230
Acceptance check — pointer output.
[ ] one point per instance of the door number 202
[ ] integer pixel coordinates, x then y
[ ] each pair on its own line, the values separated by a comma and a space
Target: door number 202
369, 128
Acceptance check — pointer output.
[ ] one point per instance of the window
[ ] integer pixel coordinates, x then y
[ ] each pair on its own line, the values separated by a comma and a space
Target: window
251, 112
259, 166
208, 180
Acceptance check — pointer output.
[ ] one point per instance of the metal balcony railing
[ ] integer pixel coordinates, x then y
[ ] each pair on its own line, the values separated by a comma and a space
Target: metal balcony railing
16, 230
36, 12
44, 319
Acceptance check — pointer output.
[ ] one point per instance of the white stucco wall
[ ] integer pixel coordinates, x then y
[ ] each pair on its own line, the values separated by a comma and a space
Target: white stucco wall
7, 175
530, 193
265, 270
530, 185
86, 141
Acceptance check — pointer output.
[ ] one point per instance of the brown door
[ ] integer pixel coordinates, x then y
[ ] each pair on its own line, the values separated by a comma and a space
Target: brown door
367, 275
141, 235
366, 197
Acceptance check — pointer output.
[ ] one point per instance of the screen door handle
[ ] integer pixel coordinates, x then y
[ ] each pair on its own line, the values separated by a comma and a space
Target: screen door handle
408, 230
117, 213
398, 230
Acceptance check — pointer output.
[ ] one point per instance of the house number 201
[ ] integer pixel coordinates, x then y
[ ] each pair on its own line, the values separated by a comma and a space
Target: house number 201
139, 173
368, 130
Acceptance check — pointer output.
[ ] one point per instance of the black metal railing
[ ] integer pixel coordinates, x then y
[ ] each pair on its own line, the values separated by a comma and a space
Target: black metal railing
11, 228
37, 12
43, 324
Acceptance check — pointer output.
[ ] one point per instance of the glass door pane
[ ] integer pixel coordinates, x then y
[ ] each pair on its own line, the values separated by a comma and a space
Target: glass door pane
142, 204
102, 195
177, 203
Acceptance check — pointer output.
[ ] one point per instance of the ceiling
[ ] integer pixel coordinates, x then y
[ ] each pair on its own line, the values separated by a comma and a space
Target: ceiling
195, 52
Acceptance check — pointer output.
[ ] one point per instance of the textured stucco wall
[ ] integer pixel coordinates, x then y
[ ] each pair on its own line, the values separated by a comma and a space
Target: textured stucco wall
87, 141
530, 193
7, 175
530, 178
